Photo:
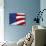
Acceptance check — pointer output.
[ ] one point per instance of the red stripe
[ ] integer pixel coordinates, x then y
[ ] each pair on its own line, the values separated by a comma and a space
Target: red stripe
20, 14
22, 23
20, 19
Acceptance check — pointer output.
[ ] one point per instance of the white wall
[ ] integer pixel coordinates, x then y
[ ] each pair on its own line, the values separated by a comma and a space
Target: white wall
1, 21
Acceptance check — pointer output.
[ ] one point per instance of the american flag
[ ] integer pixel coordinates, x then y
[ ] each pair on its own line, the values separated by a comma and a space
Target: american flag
17, 18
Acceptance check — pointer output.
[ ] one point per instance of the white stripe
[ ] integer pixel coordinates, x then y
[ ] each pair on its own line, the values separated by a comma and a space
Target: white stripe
18, 22
17, 17
21, 13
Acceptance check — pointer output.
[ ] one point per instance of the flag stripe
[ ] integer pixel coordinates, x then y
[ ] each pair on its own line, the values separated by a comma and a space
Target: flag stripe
20, 15
17, 17
20, 19
22, 23
18, 22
